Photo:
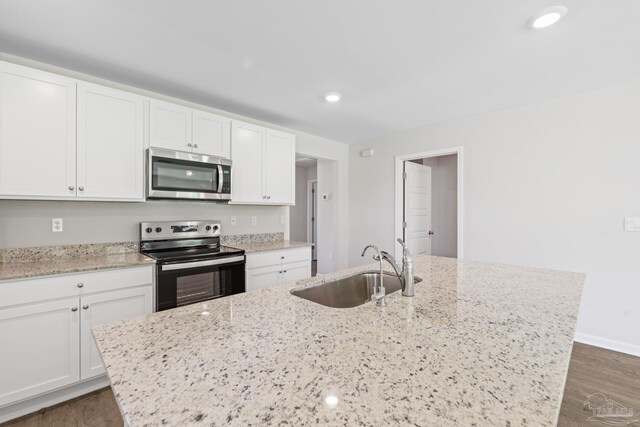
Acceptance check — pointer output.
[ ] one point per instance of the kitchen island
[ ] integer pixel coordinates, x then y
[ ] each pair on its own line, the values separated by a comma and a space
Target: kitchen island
479, 343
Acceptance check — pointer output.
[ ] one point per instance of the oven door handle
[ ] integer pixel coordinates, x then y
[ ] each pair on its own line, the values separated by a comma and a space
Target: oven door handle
195, 264
220, 178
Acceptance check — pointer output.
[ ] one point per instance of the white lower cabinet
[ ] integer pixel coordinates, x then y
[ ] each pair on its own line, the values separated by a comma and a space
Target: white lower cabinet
46, 343
40, 348
104, 308
271, 268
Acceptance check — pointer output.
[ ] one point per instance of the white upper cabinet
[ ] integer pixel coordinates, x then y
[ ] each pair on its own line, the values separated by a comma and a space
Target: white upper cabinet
279, 163
110, 143
246, 169
263, 170
170, 126
37, 133
211, 134
175, 127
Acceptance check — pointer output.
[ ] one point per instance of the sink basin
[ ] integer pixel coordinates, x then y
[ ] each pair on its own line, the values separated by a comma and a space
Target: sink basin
351, 291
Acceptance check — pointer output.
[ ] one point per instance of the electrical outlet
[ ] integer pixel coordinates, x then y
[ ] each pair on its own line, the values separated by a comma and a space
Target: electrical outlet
56, 225
254, 220
233, 220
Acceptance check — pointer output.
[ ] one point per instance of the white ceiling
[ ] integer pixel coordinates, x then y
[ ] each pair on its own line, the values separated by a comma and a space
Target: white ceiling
400, 64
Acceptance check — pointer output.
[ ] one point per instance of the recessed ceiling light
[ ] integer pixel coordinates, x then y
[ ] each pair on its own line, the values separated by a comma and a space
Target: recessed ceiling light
547, 17
332, 97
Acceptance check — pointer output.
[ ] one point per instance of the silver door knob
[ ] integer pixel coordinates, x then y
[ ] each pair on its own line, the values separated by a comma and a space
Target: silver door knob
189, 145
195, 145
85, 307
71, 187
81, 188
80, 285
74, 309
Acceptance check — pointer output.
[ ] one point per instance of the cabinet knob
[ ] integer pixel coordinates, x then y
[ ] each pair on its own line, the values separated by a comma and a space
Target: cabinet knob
195, 145
85, 307
268, 197
71, 187
74, 309
80, 285
285, 271
282, 257
280, 272
264, 197
189, 145
81, 188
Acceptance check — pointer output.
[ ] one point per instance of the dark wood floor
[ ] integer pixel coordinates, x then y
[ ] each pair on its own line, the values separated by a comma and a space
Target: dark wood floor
592, 370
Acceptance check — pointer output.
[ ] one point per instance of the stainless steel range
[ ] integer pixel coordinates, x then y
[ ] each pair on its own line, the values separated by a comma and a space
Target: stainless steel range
192, 264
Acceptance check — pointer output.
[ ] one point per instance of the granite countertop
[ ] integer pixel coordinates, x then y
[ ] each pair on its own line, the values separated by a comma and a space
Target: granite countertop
269, 246
480, 343
23, 263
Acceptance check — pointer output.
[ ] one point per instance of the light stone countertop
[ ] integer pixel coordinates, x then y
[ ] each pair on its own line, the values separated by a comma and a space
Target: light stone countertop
480, 343
274, 245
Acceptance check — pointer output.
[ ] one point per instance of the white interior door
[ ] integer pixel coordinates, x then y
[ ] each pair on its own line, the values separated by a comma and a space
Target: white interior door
417, 208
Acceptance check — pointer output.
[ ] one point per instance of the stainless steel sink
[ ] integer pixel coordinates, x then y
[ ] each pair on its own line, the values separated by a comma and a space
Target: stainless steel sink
349, 292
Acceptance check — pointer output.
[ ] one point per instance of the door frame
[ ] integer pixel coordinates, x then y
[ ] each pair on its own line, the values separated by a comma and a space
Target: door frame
399, 192
309, 214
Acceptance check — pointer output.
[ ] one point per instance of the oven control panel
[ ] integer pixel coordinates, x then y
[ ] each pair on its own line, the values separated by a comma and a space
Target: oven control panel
179, 230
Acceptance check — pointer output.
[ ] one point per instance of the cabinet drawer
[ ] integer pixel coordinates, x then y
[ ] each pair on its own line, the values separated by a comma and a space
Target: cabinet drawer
69, 285
267, 258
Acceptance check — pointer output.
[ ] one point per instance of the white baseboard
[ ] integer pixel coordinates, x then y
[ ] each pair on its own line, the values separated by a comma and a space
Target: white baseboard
34, 404
622, 347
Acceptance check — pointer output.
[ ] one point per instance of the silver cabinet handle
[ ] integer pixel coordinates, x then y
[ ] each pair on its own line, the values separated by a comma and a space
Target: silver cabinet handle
195, 145
81, 188
85, 307
80, 285
71, 187
195, 264
74, 309
189, 145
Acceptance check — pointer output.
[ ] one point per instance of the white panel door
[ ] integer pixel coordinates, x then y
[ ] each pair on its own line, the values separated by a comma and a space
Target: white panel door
417, 208
279, 163
107, 307
169, 126
295, 272
110, 143
40, 348
37, 133
211, 134
264, 277
246, 171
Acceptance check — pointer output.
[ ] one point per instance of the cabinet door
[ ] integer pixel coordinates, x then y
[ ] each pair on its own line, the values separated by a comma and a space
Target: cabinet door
246, 171
110, 143
211, 134
37, 133
279, 165
296, 271
170, 126
265, 277
107, 307
40, 348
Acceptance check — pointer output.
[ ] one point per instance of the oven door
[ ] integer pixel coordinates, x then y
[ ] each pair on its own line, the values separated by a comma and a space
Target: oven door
183, 175
186, 283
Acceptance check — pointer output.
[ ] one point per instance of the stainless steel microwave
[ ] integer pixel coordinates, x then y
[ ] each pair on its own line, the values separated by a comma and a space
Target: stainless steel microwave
183, 175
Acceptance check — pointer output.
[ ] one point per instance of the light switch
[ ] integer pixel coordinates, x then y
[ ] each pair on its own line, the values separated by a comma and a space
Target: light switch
632, 224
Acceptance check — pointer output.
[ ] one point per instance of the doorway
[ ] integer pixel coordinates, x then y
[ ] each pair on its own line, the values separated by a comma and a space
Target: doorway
429, 202
303, 216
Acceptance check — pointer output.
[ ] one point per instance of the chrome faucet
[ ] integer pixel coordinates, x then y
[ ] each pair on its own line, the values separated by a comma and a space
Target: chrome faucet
406, 273
378, 292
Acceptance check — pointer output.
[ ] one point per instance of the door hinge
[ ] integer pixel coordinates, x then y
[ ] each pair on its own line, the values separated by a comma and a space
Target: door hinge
404, 224
404, 175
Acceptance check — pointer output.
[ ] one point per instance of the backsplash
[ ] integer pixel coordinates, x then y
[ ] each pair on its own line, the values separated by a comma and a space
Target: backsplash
251, 238
28, 223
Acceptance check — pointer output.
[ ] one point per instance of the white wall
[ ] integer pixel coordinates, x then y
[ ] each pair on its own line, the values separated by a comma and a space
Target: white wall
545, 185
329, 218
79, 216
444, 204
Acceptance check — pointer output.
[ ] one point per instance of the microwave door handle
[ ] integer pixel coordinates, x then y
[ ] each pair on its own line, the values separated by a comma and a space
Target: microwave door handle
220, 178
195, 264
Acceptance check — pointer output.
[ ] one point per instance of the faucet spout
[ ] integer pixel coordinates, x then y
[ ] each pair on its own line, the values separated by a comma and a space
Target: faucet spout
378, 291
